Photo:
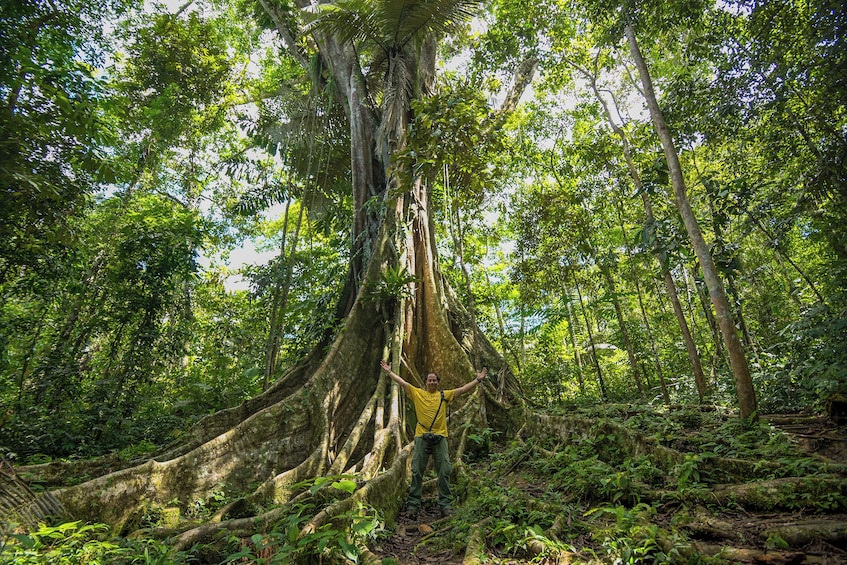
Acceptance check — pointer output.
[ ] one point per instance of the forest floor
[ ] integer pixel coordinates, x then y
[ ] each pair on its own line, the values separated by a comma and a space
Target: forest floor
717, 535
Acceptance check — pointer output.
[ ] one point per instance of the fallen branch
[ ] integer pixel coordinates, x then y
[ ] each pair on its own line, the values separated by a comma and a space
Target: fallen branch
19, 503
790, 493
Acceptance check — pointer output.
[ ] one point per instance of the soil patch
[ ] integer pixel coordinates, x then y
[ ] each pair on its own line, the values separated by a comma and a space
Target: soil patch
408, 545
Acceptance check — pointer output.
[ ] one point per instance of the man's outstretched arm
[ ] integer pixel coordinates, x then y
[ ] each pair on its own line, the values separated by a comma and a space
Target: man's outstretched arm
469, 386
394, 376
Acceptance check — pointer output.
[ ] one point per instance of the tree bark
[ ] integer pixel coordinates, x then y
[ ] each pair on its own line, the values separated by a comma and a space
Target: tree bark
636, 373
277, 304
576, 349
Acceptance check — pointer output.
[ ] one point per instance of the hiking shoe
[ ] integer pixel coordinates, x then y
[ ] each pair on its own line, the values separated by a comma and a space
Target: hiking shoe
446, 512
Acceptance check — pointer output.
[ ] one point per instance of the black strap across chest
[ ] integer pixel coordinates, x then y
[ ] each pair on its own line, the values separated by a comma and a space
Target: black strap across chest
436, 412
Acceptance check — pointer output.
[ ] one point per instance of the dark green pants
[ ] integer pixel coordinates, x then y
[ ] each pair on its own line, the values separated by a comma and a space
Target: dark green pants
423, 449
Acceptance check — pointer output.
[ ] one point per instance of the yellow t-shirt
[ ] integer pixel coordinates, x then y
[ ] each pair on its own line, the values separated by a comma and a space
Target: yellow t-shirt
426, 404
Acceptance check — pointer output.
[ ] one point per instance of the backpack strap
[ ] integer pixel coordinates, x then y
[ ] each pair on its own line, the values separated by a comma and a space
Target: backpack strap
436, 412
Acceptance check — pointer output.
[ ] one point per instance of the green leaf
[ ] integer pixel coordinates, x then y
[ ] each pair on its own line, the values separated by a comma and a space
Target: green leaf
25, 540
245, 552
345, 485
364, 527
350, 551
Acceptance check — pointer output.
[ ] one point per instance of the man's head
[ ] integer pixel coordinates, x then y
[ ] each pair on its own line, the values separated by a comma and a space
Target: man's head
432, 382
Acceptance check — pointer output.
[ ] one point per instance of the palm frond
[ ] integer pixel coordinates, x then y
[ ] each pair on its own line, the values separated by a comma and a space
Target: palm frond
347, 20
390, 24
396, 97
421, 17
401, 30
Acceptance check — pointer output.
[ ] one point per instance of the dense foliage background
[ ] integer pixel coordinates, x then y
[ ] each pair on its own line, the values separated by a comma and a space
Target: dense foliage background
140, 146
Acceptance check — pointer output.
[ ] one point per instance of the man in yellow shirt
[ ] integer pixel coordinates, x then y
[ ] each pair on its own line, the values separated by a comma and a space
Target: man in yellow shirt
431, 435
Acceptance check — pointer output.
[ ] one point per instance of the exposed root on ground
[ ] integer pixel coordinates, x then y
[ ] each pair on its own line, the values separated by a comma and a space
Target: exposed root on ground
753, 518
476, 544
631, 444
382, 493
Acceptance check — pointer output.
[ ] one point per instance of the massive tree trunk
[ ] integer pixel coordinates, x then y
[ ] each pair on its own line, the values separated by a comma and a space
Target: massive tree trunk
738, 360
336, 411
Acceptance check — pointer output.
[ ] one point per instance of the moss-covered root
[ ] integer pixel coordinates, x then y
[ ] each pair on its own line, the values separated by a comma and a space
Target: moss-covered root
800, 534
476, 544
631, 444
560, 557
382, 493
789, 536
537, 548
793, 532
367, 557
745, 555
825, 494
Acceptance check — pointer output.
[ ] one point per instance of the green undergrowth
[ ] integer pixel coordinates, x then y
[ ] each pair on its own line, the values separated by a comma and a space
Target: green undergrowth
533, 498
280, 542
588, 496
73, 543
707, 433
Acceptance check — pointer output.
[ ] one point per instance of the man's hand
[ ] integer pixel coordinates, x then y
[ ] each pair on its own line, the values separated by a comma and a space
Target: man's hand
394, 376
480, 375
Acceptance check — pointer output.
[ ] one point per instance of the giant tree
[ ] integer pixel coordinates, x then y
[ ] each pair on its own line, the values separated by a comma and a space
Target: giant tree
335, 411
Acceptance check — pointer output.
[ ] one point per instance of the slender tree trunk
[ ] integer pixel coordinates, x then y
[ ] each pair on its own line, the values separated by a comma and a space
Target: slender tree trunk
657, 360
522, 332
644, 319
605, 270
690, 346
501, 324
282, 285
604, 396
741, 371
664, 308
636, 373
705, 304
577, 354
272, 347
458, 234
731, 288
